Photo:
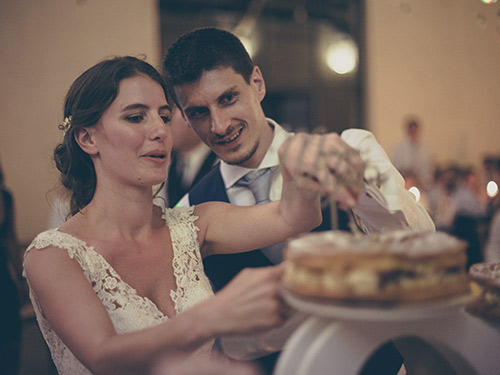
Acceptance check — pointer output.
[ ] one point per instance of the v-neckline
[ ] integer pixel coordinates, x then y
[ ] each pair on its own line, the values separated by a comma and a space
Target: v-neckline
114, 273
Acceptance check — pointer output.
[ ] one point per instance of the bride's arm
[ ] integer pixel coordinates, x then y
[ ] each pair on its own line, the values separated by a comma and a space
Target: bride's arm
312, 166
79, 318
225, 228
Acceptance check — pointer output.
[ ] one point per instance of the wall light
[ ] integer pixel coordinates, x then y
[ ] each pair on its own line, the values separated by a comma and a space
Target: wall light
491, 189
414, 190
249, 44
342, 55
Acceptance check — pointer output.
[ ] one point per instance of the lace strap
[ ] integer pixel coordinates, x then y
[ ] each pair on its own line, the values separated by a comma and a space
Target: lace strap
58, 239
192, 283
179, 216
77, 249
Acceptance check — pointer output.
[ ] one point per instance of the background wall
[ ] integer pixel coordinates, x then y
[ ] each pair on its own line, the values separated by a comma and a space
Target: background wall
44, 46
439, 60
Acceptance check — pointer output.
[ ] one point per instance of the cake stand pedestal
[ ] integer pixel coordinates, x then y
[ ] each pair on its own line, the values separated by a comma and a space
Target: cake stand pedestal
339, 339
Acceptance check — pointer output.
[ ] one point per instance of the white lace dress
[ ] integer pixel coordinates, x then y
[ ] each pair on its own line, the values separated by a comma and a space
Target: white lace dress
128, 310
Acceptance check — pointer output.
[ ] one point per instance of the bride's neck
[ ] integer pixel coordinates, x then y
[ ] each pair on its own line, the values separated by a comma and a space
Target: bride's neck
125, 212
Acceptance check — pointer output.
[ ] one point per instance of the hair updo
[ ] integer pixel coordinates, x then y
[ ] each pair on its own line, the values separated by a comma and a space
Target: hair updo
88, 98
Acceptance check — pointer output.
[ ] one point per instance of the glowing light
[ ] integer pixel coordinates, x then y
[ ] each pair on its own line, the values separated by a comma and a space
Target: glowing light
491, 189
414, 190
249, 45
489, 1
342, 56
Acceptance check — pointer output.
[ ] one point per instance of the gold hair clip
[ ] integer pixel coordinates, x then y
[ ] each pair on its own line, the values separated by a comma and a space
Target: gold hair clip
64, 126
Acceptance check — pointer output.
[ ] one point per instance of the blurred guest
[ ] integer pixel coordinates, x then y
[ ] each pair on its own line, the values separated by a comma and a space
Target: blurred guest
441, 204
11, 284
458, 210
492, 249
491, 176
467, 199
412, 156
489, 165
471, 210
191, 160
451, 196
474, 183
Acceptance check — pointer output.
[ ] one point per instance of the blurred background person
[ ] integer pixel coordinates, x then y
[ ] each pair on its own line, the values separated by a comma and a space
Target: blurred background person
471, 212
410, 156
490, 183
441, 206
12, 288
492, 249
469, 201
474, 182
452, 195
457, 207
488, 166
191, 160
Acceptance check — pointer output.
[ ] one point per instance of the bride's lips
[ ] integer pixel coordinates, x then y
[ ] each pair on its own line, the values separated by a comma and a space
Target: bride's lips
158, 156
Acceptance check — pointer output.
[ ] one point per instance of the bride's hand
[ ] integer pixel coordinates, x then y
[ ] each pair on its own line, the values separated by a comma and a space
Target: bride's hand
251, 302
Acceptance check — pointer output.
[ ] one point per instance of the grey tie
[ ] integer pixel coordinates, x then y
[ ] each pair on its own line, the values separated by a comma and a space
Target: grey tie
259, 182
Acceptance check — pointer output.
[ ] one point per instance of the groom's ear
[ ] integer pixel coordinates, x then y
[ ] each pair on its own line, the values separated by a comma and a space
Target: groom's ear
257, 81
85, 139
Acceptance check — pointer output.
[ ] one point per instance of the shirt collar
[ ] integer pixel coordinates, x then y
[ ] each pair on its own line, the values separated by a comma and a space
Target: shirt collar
232, 173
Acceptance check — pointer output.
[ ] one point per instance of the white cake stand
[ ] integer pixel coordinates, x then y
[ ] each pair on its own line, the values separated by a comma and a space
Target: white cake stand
339, 339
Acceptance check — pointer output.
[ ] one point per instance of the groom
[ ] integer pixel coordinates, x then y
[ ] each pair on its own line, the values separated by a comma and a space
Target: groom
219, 90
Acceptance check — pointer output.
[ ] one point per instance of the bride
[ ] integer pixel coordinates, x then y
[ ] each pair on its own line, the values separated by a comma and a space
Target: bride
120, 284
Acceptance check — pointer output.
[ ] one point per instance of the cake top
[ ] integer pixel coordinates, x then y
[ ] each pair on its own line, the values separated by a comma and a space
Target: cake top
407, 242
486, 273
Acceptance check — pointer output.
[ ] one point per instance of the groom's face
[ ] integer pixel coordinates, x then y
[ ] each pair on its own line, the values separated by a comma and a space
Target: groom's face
225, 111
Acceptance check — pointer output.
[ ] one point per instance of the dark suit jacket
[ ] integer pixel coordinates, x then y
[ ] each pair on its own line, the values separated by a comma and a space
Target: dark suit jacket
175, 188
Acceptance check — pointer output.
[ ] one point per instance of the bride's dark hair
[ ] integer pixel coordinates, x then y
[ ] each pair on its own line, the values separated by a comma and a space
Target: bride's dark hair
86, 101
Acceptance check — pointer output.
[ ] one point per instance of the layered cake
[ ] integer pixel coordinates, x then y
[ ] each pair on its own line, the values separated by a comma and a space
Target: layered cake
485, 288
396, 266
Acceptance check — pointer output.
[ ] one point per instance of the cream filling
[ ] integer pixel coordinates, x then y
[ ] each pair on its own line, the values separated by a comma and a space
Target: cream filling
367, 281
480, 293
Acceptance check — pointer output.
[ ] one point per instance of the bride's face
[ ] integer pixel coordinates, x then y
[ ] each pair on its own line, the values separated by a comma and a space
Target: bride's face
133, 138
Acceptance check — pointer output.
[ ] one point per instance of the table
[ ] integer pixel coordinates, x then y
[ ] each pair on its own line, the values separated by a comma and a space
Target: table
338, 339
